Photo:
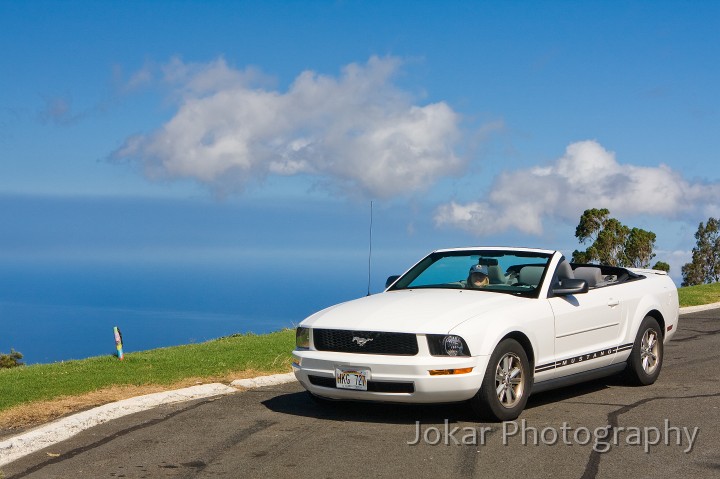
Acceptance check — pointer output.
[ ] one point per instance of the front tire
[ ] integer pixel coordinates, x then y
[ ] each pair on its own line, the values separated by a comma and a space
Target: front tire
646, 358
506, 385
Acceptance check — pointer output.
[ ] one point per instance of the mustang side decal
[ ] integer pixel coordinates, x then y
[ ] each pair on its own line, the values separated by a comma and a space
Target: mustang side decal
583, 357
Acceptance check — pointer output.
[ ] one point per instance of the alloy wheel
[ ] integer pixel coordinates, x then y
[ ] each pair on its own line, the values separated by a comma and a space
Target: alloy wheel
649, 351
509, 385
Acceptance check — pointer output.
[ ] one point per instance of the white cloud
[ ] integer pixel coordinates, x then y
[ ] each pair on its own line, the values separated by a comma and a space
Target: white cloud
356, 132
587, 176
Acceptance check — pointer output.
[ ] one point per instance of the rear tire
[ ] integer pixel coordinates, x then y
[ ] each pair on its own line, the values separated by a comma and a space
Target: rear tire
646, 358
506, 384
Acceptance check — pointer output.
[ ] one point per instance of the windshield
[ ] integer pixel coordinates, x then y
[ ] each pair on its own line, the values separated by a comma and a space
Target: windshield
512, 272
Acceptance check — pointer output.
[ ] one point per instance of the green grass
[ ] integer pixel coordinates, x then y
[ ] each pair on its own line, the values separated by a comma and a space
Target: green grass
267, 353
700, 294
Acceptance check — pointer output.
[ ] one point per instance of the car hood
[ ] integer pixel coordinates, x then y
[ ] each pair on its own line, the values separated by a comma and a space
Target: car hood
423, 311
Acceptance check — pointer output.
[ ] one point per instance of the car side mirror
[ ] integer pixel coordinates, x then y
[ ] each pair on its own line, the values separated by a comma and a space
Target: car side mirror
570, 286
391, 280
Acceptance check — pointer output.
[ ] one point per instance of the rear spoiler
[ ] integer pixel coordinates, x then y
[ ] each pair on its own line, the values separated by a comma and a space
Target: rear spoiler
659, 272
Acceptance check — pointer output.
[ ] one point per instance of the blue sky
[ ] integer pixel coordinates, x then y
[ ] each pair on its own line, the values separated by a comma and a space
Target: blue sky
196, 131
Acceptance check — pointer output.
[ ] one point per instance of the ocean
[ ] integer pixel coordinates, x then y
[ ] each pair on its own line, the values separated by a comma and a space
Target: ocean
58, 311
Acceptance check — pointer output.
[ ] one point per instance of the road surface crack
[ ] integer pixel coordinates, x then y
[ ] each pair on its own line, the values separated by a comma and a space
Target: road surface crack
700, 334
593, 465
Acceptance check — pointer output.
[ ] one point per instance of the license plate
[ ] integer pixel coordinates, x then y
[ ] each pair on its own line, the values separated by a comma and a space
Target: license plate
351, 378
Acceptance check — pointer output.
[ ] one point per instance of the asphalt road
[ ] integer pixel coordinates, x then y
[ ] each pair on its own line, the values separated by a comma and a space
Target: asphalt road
279, 432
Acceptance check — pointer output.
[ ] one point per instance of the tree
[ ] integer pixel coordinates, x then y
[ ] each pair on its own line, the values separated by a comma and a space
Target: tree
639, 248
662, 266
613, 243
591, 222
705, 264
607, 236
10, 360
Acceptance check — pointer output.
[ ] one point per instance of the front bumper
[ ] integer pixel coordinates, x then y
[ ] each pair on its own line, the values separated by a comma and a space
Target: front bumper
387, 373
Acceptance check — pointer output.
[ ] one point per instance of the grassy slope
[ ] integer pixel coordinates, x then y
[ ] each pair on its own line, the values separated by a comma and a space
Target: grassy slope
267, 353
700, 294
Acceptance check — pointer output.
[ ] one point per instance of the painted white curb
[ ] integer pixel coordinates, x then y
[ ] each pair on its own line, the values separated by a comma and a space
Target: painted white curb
695, 309
261, 381
49, 434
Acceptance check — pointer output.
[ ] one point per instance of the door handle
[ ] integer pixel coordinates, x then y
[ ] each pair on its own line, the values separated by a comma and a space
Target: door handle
613, 302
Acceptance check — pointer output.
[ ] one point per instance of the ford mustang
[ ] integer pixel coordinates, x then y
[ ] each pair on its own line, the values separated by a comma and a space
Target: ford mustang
489, 326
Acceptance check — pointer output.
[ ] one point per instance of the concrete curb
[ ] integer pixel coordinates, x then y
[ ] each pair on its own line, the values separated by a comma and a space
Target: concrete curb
49, 434
695, 309
261, 381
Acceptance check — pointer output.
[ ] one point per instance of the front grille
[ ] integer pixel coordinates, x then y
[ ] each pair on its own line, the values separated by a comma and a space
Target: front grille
372, 386
397, 344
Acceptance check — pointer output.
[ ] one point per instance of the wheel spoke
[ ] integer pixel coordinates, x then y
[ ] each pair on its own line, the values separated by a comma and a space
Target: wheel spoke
506, 367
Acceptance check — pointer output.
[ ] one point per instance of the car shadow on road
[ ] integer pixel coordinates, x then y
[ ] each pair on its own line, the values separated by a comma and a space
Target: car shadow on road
302, 404
574, 391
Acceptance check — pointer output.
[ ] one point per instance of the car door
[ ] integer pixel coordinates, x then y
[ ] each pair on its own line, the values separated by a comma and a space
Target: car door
587, 330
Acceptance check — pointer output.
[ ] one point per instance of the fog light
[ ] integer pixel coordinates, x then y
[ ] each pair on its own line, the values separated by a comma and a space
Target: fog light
302, 338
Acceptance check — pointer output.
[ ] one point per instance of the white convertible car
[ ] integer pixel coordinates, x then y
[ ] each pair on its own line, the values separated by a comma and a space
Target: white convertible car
488, 325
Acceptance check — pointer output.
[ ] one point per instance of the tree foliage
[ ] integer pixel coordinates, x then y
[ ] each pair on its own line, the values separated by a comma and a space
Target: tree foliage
662, 266
612, 242
10, 360
639, 248
705, 264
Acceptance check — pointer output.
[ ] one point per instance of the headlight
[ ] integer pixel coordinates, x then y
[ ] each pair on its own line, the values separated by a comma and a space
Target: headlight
302, 338
447, 345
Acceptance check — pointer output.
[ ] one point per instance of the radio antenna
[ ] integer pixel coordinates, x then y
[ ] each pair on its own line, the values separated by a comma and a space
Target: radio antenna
370, 249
